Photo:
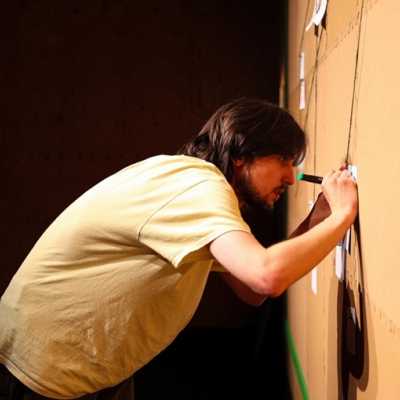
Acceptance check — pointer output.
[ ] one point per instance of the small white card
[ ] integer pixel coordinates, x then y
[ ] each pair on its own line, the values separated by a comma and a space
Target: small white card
314, 280
347, 238
318, 14
340, 261
301, 66
302, 102
353, 170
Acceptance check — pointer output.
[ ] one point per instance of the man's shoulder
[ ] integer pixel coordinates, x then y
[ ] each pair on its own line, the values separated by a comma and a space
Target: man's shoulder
181, 161
182, 165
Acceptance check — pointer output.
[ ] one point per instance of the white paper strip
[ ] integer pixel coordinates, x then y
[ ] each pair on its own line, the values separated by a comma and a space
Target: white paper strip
314, 280
302, 103
354, 171
318, 14
301, 66
347, 239
340, 261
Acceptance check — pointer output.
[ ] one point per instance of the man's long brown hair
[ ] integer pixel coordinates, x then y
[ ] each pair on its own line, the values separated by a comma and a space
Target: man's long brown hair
247, 128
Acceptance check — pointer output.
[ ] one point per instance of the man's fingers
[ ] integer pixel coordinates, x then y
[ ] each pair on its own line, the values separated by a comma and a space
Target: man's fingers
328, 177
346, 174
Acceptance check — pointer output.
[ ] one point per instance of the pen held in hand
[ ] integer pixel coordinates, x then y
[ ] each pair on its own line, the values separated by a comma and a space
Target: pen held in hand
309, 178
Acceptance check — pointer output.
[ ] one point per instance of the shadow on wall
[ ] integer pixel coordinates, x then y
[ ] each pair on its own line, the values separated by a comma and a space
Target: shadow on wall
353, 336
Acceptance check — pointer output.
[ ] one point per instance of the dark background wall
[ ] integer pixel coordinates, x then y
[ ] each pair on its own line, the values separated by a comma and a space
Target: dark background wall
88, 87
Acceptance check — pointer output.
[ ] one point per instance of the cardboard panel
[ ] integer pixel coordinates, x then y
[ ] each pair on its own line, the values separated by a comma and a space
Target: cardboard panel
348, 333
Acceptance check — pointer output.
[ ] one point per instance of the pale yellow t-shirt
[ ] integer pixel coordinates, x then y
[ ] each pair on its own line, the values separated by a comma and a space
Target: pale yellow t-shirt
115, 277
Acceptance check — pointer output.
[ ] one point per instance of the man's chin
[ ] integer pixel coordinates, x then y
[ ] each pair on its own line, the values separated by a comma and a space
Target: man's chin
270, 205
257, 207
270, 201
251, 201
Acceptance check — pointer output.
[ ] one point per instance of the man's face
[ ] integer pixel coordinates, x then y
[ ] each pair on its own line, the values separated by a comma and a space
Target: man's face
260, 183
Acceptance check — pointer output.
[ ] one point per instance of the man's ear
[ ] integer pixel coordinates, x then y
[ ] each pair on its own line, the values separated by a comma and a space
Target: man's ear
238, 162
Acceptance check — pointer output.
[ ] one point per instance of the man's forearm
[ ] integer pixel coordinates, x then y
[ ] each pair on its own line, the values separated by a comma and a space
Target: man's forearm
288, 261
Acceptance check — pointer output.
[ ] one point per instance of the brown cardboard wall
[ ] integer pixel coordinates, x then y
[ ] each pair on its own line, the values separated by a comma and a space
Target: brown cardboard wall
348, 333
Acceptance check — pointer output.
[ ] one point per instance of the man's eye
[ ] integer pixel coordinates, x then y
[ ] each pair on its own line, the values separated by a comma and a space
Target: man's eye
283, 160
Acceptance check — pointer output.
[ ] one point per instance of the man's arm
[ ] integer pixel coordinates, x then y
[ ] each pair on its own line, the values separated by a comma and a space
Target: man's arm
243, 291
270, 271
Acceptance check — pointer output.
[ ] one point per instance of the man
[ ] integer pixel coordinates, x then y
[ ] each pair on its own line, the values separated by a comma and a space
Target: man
121, 271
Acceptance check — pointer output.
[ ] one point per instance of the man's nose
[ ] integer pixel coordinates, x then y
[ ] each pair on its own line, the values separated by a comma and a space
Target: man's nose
290, 175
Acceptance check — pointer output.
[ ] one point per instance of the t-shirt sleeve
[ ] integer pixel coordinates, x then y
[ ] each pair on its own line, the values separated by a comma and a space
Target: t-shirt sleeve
181, 229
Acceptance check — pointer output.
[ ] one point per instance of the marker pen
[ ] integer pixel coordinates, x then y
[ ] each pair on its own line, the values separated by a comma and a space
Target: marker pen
309, 178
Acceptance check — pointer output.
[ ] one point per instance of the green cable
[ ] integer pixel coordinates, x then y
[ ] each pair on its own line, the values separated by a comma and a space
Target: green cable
296, 362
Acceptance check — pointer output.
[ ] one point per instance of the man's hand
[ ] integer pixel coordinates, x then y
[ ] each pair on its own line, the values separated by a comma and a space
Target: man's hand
270, 271
340, 190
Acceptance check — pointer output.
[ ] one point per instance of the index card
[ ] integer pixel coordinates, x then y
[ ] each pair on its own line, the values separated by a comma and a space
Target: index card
354, 171
318, 14
314, 280
302, 103
301, 66
340, 261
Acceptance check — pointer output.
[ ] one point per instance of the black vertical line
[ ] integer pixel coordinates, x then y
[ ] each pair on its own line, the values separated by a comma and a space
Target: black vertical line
354, 83
314, 71
304, 27
316, 107
315, 122
313, 85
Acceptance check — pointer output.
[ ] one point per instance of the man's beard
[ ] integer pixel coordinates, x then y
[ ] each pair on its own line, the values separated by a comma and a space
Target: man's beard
250, 199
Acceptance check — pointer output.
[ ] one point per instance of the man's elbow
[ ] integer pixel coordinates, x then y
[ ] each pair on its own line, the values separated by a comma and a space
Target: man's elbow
271, 283
255, 299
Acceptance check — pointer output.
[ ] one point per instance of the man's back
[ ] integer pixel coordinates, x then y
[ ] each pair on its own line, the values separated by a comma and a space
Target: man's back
115, 277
